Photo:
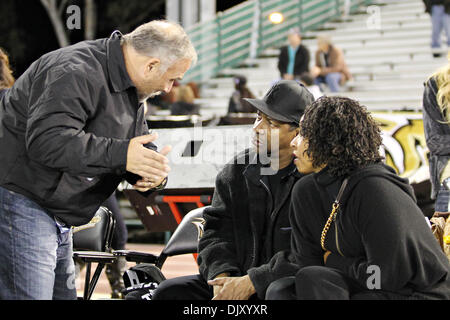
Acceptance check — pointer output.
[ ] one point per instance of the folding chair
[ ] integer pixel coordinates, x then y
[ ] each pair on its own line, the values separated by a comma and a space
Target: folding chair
183, 241
92, 244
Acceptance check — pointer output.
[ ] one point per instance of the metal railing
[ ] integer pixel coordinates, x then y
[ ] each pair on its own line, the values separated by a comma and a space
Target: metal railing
245, 31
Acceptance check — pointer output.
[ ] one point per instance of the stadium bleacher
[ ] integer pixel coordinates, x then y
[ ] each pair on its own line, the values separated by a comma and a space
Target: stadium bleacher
389, 64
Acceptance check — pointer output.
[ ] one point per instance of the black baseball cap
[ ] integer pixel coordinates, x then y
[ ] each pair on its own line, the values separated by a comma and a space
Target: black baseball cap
286, 101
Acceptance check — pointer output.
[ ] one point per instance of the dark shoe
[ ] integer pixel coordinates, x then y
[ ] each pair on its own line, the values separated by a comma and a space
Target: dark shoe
437, 55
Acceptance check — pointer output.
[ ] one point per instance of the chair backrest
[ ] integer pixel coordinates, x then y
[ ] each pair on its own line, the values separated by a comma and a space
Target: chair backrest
186, 236
97, 234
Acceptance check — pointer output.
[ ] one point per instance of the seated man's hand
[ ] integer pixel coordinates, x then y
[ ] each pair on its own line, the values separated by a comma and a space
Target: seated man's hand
233, 288
218, 288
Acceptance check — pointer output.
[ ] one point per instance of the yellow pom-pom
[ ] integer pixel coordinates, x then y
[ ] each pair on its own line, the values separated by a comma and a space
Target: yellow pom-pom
447, 240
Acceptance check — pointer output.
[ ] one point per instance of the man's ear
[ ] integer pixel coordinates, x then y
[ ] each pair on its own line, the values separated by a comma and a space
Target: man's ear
152, 65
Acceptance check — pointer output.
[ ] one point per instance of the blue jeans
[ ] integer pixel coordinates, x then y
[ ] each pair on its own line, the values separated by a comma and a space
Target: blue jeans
36, 258
332, 80
442, 203
439, 20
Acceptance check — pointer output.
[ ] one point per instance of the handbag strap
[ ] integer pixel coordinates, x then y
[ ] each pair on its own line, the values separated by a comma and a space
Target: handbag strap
333, 214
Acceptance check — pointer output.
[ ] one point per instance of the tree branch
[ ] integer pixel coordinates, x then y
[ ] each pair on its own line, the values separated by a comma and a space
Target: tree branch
90, 19
62, 6
56, 20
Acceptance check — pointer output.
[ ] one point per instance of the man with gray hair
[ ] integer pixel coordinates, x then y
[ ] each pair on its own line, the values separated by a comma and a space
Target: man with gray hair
71, 129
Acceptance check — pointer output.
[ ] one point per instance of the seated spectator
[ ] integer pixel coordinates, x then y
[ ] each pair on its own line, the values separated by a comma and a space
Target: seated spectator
184, 102
237, 103
6, 77
357, 232
436, 122
294, 58
195, 89
307, 80
330, 67
247, 234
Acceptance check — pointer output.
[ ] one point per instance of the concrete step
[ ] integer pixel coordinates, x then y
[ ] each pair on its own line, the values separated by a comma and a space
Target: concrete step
400, 40
360, 32
386, 14
389, 64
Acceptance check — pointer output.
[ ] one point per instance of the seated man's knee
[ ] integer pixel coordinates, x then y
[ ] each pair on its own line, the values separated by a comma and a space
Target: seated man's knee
310, 275
167, 289
184, 288
282, 289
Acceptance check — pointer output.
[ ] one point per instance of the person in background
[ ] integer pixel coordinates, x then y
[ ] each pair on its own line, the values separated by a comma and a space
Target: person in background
436, 121
184, 102
237, 103
330, 67
294, 58
6, 77
357, 232
439, 11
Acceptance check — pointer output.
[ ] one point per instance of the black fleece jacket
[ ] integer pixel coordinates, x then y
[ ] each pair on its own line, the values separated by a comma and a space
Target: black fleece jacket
247, 230
379, 224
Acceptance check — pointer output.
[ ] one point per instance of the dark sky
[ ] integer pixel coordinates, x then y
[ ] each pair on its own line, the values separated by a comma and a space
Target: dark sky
225, 4
27, 32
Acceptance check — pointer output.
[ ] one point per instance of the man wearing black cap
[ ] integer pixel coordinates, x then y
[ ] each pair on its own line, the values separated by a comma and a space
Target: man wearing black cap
246, 239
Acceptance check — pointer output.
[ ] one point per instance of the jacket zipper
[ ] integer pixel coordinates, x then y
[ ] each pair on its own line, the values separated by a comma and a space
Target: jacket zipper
254, 237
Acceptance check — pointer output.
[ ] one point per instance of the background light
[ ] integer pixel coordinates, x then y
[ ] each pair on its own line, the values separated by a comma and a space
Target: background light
276, 17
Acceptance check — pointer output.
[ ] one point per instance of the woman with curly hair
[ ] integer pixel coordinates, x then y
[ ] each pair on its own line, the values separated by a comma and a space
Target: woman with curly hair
357, 232
6, 77
436, 121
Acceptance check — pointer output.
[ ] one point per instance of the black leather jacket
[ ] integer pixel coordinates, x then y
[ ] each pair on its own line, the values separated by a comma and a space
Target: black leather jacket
65, 127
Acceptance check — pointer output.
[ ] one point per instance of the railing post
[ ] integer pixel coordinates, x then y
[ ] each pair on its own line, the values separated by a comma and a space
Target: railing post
300, 15
260, 27
255, 34
219, 40
337, 4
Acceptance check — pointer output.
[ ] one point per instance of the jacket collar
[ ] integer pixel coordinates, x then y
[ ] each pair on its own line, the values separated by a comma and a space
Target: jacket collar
119, 79
253, 170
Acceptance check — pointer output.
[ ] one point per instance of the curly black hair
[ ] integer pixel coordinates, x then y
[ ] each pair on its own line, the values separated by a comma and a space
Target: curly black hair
341, 134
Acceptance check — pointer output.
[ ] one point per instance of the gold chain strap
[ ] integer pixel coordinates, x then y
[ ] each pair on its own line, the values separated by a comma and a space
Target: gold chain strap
328, 224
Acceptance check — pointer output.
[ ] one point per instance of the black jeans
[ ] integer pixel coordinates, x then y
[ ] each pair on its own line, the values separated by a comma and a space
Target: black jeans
192, 287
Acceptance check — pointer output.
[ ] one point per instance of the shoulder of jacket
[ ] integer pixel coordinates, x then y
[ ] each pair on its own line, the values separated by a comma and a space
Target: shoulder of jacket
238, 164
304, 184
